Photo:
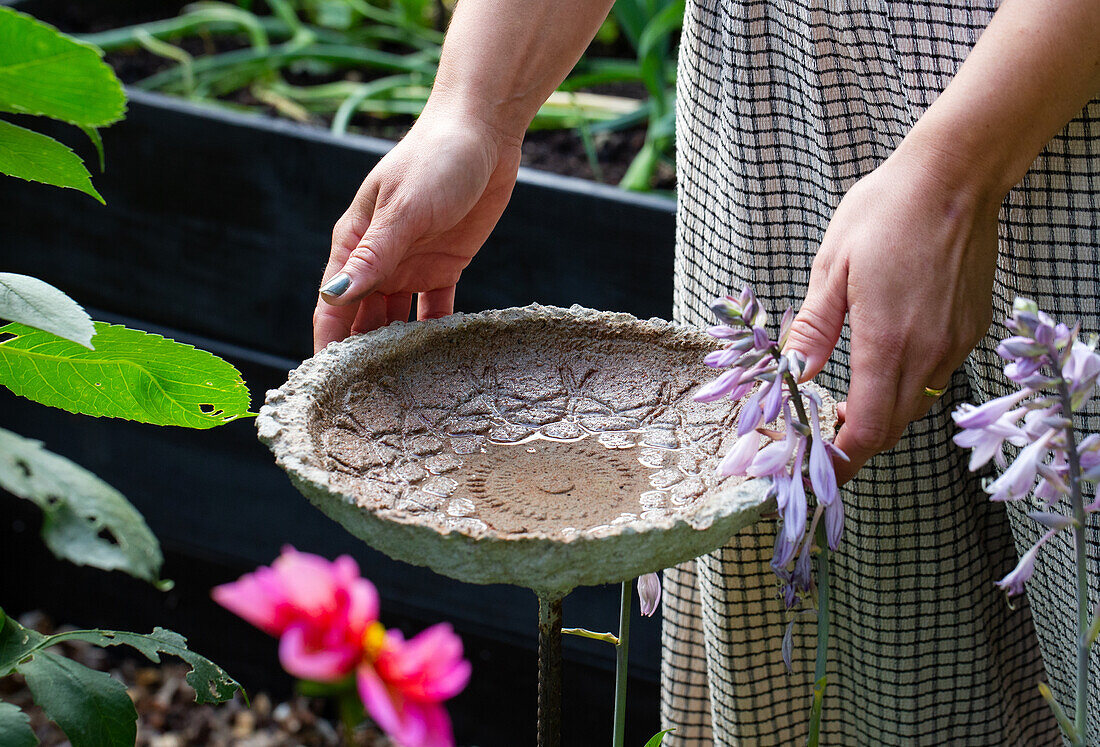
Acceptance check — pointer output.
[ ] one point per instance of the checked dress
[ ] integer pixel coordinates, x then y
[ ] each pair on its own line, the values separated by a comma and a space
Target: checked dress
782, 106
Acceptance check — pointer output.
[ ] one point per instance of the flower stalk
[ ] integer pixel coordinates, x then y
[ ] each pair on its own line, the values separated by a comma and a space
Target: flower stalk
622, 648
1077, 502
766, 379
1057, 376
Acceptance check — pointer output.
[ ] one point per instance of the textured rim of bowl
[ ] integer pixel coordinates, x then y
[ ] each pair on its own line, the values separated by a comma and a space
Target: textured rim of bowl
547, 563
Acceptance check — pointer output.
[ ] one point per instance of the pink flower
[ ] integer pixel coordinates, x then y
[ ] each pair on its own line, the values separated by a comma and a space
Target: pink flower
319, 609
404, 689
326, 618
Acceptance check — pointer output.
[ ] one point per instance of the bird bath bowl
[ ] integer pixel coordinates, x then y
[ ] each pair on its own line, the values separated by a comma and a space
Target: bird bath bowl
542, 447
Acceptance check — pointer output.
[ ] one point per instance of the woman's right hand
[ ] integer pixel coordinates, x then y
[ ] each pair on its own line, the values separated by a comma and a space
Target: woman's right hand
415, 223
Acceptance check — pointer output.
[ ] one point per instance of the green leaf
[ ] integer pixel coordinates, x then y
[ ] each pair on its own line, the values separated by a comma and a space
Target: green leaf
97, 141
15, 727
46, 73
92, 708
38, 304
37, 158
86, 521
657, 739
131, 374
16, 644
212, 684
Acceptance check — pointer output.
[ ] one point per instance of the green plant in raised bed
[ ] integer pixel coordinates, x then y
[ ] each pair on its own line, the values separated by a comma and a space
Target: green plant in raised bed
53, 353
44, 73
397, 48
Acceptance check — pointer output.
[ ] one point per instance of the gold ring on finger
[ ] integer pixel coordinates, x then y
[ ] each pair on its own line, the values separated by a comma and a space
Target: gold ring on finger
933, 392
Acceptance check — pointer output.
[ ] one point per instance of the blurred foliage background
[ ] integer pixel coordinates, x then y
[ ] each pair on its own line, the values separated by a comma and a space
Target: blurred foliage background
367, 66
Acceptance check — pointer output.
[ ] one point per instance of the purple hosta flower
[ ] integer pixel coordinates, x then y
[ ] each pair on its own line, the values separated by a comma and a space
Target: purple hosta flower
1013, 583
792, 506
1057, 375
987, 441
968, 416
737, 461
649, 593
1017, 481
753, 359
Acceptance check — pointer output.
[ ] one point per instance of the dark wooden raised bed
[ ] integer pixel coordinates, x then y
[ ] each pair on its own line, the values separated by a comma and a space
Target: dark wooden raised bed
216, 230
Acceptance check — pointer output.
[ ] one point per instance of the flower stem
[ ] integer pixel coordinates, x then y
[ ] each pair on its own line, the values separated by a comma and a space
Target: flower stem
1081, 518
621, 650
822, 644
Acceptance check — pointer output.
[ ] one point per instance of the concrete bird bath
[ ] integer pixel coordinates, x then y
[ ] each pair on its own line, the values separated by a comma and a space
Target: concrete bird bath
543, 447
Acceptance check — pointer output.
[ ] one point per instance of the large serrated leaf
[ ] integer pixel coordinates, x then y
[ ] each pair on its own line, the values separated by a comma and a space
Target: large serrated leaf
131, 374
35, 303
86, 520
46, 73
92, 708
15, 727
211, 683
37, 158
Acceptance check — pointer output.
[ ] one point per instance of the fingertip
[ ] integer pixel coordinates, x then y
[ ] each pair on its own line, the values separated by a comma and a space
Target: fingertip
331, 323
398, 307
436, 303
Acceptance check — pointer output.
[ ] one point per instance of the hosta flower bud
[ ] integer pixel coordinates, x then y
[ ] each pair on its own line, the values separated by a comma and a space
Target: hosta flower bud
649, 593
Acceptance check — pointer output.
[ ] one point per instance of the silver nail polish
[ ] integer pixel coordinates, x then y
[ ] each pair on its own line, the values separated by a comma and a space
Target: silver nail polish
337, 286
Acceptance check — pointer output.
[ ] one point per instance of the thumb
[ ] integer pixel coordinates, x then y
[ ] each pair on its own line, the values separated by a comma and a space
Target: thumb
368, 265
817, 326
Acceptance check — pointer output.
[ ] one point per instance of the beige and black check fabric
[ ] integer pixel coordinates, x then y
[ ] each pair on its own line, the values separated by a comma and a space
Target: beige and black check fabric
782, 106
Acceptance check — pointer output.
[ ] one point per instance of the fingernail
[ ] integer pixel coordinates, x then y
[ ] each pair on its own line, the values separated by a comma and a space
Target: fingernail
336, 287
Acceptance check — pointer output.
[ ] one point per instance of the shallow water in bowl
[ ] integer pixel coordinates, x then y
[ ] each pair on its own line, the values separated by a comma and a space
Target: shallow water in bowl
588, 484
582, 485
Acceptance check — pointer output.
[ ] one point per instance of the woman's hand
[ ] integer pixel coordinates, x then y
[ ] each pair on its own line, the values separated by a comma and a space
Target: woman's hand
909, 257
910, 253
415, 223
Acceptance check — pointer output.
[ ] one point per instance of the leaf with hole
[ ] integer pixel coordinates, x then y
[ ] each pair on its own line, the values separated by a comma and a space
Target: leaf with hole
38, 304
46, 73
86, 521
131, 374
92, 708
211, 683
37, 158
15, 727
16, 644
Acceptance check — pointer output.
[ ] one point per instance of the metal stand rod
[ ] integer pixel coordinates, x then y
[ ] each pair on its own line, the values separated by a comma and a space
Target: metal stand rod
549, 727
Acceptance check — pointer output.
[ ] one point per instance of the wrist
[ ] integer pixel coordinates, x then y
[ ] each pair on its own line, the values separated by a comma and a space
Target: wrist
474, 112
978, 170
452, 110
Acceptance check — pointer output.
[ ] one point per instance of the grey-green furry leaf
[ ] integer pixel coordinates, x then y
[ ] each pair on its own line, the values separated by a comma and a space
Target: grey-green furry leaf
35, 303
78, 507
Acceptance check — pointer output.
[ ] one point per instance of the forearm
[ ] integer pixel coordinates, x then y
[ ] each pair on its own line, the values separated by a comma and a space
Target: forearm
1032, 70
503, 58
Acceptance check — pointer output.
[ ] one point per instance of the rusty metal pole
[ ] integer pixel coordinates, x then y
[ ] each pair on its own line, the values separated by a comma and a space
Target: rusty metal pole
549, 726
